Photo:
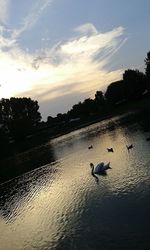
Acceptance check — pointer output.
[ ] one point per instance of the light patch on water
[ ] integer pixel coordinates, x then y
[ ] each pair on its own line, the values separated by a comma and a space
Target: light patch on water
62, 206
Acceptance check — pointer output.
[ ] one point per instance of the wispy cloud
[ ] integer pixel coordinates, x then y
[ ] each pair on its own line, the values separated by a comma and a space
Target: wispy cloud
31, 19
4, 11
77, 66
86, 29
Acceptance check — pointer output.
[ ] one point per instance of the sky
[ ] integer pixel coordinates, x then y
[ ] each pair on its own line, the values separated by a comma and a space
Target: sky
60, 52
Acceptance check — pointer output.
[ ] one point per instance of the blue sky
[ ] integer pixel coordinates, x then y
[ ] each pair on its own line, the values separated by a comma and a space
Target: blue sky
60, 52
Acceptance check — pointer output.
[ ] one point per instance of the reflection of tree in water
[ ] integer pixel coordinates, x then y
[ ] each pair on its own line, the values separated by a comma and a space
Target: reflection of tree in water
133, 121
145, 121
111, 126
20, 190
26, 161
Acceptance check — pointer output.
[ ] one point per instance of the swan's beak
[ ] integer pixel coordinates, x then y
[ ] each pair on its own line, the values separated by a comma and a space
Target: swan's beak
109, 165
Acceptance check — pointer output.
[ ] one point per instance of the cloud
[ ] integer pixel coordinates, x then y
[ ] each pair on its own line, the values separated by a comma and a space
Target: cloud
4, 11
9, 37
86, 29
31, 19
77, 66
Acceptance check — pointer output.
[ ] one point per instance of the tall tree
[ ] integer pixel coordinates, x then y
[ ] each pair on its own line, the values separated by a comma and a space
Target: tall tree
147, 69
134, 83
99, 98
115, 92
19, 115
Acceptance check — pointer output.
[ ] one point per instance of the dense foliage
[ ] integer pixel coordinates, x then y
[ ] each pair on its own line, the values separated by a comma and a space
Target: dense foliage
18, 118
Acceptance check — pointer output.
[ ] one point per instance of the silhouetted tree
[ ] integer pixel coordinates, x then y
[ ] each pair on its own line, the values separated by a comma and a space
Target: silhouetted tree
115, 92
60, 117
4, 142
147, 62
89, 107
83, 110
49, 119
99, 98
5, 110
75, 111
147, 70
19, 115
25, 108
134, 84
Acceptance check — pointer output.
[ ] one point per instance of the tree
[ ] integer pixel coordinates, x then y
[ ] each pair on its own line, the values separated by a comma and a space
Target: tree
83, 110
147, 69
89, 107
134, 83
76, 111
25, 108
19, 115
115, 92
4, 142
99, 98
50, 120
60, 117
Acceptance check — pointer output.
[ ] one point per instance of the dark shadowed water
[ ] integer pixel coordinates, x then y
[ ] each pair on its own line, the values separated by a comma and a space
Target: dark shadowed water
62, 206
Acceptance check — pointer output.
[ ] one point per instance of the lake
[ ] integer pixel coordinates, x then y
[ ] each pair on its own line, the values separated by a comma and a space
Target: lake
60, 205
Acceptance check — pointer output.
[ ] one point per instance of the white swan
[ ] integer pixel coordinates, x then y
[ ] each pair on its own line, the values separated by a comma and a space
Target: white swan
101, 167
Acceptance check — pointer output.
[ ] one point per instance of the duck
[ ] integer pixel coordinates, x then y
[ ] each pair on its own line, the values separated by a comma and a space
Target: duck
110, 150
129, 147
99, 168
90, 147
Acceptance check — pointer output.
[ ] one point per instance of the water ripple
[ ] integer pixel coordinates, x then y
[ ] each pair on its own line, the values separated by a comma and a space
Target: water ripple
62, 206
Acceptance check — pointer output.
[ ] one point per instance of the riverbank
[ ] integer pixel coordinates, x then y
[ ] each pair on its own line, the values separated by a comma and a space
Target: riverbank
37, 151
132, 110
48, 132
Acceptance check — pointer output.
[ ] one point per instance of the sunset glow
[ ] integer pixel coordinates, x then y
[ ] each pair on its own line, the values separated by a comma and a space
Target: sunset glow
78, 64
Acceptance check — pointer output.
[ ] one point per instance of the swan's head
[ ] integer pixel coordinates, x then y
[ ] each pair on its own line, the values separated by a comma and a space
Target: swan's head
91, 165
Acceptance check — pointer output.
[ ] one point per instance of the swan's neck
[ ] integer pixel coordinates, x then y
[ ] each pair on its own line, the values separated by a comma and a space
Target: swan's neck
92, 171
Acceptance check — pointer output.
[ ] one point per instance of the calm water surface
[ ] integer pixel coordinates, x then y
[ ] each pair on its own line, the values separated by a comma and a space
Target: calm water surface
62, 206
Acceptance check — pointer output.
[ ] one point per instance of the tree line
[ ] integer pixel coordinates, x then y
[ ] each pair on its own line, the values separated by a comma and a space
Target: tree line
20, 117
133, 85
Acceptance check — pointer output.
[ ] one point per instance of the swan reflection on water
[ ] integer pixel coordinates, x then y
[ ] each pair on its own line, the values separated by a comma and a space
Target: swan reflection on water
95, 177
104, 173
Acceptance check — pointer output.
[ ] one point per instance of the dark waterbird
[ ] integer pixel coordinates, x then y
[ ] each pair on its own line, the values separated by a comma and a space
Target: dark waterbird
148, 139
90, 147
129, 147
110, 150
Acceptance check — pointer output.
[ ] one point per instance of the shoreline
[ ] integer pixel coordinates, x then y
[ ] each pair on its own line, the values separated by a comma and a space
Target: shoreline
38, 151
